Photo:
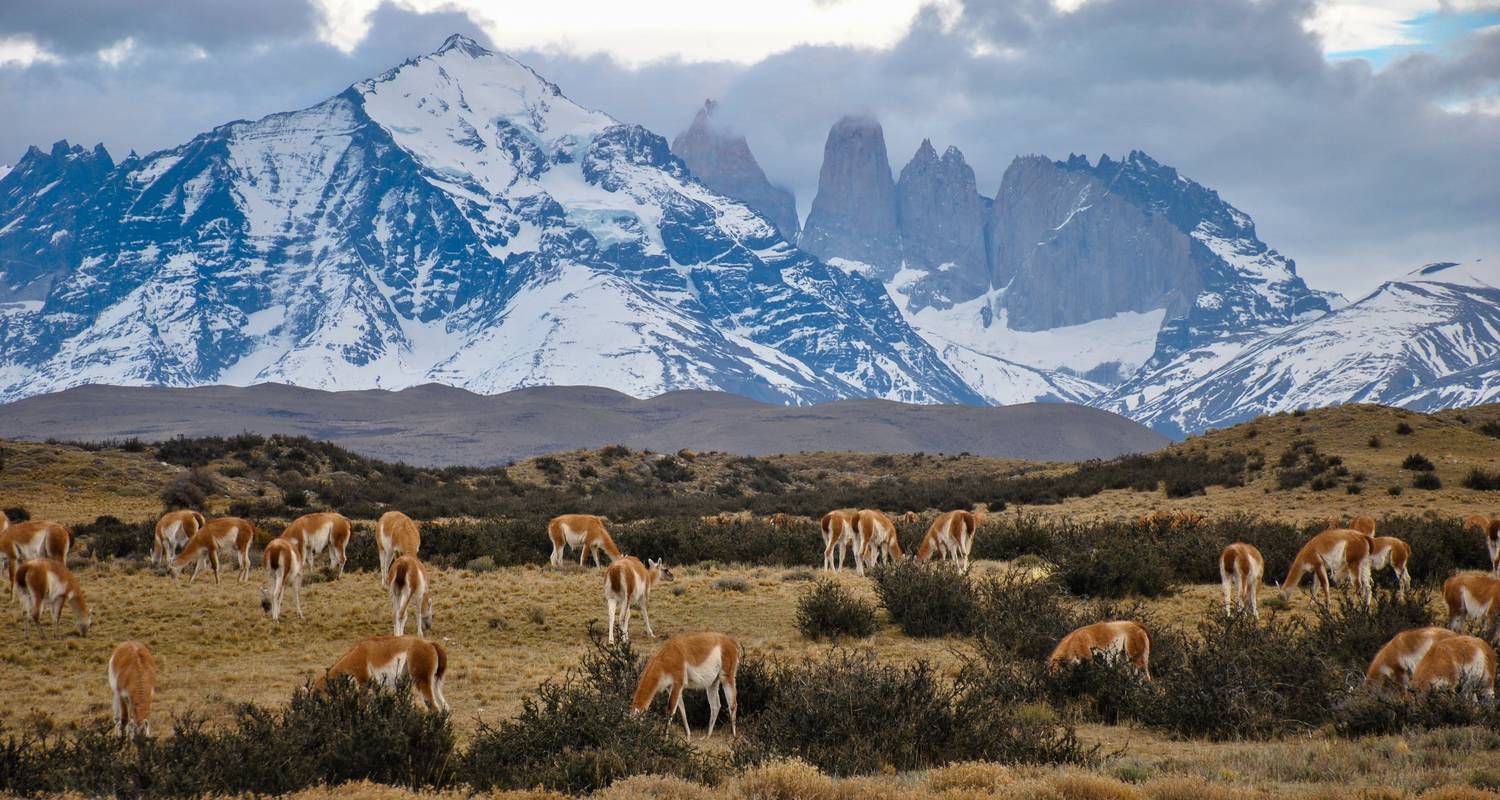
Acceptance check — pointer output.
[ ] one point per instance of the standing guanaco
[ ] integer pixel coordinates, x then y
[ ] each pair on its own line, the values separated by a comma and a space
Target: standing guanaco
692, 661
1489, 528
628, 582
583, 532
283, 562
230, 533
1337, 554
32, 539
395, 534
837, 528
132, 685
1471, 596
408, 582
386, 659
48, 582
1398, 659
314, 533
173, 530
875, 539
951, 537
1241, 567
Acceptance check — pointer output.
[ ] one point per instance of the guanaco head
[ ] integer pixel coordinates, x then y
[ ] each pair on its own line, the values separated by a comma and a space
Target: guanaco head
265, 599
660, 570
85, 619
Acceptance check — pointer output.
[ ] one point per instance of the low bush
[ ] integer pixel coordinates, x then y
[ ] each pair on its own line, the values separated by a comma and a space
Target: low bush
926, 600
1364, 712
828, 610
1112, 561
1482, 481
848, 714
191, 489
108, 537
1404, 429
1417, 463
1427, 480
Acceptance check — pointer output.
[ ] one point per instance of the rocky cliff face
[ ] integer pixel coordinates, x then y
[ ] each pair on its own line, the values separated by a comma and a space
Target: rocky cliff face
723, 161
942, 226
1072, 251
40, 202
854, 215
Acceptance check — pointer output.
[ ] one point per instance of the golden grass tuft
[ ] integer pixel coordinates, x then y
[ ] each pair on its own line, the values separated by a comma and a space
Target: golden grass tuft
656, 787
975, 776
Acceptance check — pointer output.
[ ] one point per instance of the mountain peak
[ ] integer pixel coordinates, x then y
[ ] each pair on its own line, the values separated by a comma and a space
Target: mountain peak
1474, 273
464, 45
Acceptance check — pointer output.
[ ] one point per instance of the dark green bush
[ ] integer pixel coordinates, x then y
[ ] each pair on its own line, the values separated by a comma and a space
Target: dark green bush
848, 714
930, 599
1383, 713
108, 537
1482, 481
1491, 428
1427, 480
828, 610
1417, 463
1112, 561
1404, 429
190, 490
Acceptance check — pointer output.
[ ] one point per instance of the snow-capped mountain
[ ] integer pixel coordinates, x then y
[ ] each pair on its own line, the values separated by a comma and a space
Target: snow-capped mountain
1428, 341
456, 220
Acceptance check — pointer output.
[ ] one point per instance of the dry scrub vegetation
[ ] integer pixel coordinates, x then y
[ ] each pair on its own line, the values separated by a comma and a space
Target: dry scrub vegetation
1062, 546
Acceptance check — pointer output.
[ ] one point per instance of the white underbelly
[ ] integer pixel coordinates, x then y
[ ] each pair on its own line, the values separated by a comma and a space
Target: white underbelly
706, 672
389, 673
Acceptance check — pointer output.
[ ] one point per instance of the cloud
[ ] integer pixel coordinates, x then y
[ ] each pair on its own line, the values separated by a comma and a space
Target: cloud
1357, 173
84, 26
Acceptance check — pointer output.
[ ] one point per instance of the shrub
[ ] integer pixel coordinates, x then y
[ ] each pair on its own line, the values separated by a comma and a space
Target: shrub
1381, 713
848, 714
1404, 429
577, 735
1426, 480
191, 489
108, 537
1480, 480
1417, 463
1491, 428
1374, 442
926, 599
1393, 491
828, 610
732, 583
1021, 616
671, 470
17, 514
1108, 561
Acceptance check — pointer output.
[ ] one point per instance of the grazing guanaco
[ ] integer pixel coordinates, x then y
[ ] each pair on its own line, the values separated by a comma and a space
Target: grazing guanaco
1464, 663
1398, 659
692, 661
585, 533
1241, 568
838, 534
314, 533
951, 537
407, 582
385, 659
282, 559
1471, 596
1365, 525
628, 582
33, 539
1489, 528
230, 533
173, 530
875, 539
1341, 553
395, 534
1388, 551
48, 582
1118, 637
132, 685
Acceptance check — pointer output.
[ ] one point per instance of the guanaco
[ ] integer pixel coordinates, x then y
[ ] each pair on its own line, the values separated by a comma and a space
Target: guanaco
1489, 528
385, 659
1398, 659
173, 530
875, 539
692, 661
1336, 554
132, 685
1241, 568
407, 582
837, 528
32, 539
1118, 637
1460, 662
628, 582
395, 534
585, 533
950, 537
314, 533
48, 582
230, 533
1471, 596
1388, 551
282, 559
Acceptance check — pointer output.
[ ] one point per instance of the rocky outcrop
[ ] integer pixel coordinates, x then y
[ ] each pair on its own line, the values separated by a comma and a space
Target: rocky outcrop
1071, 251
942, 223
40, 201
723, 161
854, 215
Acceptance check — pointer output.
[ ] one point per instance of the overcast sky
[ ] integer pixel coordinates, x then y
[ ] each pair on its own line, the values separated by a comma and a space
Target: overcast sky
1362, 135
